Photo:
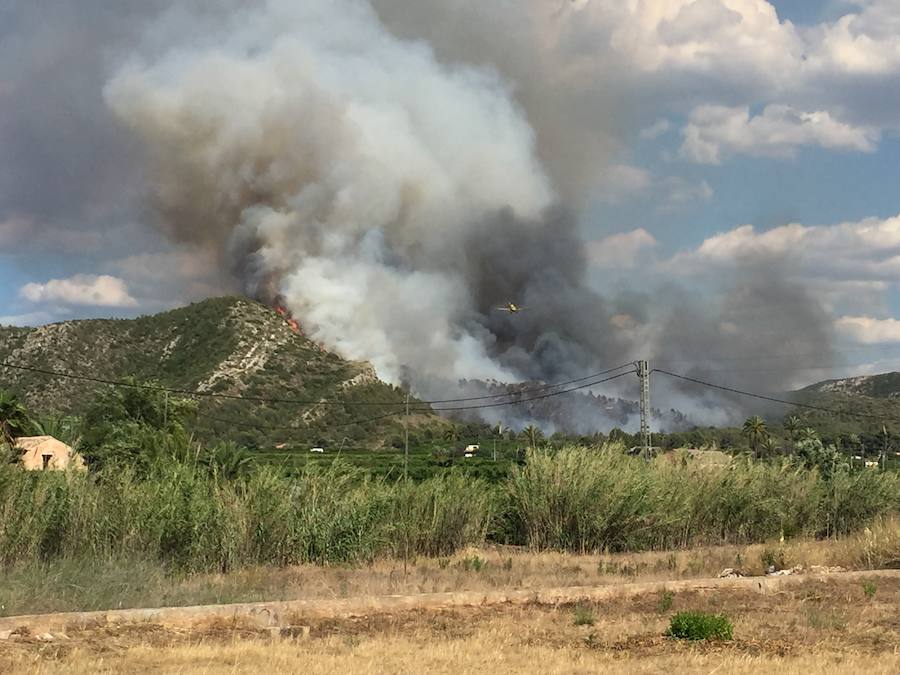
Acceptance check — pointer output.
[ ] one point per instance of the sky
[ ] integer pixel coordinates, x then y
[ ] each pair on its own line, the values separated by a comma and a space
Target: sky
719, 131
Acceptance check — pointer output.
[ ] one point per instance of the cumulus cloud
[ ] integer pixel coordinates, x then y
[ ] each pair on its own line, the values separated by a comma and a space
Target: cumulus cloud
850, 268
716, 131
860, 250
81, 289
869, 330
620, 250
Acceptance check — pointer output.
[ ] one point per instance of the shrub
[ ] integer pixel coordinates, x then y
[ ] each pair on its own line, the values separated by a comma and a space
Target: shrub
700, 626
584, 616
869, 588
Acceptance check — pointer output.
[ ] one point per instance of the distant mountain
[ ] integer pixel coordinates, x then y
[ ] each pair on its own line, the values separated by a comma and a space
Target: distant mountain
225, 345
861, 404
886, 385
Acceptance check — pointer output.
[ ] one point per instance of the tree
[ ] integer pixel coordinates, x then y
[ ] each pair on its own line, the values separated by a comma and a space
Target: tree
755, 431
14, 419
533, 435
137, 426
451, 434
227, 460
791, 429
808, 434
814, 454
769, 446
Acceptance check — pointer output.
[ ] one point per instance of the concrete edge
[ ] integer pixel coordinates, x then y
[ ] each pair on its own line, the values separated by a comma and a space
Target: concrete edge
293, 612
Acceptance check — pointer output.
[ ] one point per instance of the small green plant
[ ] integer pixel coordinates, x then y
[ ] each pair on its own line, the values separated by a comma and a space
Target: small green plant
508, 564
869, 588
473, 564
700, 626
584, 616
666, 600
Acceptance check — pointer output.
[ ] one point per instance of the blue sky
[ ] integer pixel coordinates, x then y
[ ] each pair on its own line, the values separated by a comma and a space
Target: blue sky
712, 116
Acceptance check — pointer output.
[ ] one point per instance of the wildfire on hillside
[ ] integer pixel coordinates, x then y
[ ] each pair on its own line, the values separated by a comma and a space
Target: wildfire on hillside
285, 314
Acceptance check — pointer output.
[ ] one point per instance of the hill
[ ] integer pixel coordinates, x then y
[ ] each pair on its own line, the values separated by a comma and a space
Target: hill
856, 405
230, 346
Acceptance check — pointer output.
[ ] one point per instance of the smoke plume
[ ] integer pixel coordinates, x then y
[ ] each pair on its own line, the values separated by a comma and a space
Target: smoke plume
397, 175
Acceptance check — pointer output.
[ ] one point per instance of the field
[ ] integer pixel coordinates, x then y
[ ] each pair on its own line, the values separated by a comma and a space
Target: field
831, 625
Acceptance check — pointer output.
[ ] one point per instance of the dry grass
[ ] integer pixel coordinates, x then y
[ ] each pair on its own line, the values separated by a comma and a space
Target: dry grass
821, 627
73, 587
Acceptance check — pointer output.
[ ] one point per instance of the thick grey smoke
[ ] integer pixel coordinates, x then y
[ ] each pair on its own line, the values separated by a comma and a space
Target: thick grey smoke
397, 171
393, 200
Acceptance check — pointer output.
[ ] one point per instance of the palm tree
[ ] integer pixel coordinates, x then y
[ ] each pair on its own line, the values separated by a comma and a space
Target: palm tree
756, 432
14, 419
451, 434
533, 435
808, 434
769, 446
791, 428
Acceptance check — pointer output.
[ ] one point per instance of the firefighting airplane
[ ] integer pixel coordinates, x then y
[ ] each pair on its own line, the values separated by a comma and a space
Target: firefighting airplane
512, 308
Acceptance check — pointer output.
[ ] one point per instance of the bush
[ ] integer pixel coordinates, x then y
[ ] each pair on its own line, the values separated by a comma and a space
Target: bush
700, 626
584, 616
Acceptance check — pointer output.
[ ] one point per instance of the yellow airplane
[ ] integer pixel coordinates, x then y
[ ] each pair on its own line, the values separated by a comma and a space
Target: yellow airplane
512, 308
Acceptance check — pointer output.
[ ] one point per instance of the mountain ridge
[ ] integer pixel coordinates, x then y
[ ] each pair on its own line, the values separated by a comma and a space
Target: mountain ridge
228, 346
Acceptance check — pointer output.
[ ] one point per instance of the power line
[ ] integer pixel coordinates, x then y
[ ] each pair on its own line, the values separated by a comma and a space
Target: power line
534, 398
531, 389
263, 399
765, 397
273, 427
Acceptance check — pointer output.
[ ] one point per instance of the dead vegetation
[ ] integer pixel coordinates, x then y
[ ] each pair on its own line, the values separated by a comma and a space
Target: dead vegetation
829, 626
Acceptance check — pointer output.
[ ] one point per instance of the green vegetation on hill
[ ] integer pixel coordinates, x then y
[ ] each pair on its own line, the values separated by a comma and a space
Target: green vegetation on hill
227, 346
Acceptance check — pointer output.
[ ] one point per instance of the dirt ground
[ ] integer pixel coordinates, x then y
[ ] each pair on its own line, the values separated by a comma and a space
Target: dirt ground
831, 626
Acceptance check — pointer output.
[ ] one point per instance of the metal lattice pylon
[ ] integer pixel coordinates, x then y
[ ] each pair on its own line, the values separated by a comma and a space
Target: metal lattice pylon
643, 372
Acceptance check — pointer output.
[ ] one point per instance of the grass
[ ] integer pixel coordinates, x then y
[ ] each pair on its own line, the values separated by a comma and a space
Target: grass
577, 500
771, 635
91, 584
870, 588
666, 601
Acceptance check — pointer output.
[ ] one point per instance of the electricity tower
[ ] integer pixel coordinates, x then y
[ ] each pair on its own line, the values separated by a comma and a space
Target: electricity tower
643, 373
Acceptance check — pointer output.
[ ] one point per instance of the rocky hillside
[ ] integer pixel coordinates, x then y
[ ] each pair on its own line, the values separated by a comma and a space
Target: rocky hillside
227, 346
886, 385
861, 404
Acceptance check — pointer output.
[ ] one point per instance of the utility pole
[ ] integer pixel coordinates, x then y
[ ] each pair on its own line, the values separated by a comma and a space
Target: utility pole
406, 443
643, 373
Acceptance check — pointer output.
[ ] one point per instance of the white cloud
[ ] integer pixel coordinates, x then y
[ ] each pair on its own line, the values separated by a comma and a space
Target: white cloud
868, 330
861, 250
620, 251
715, 131
837, 78
657, 129
679, 191
81, 289
862, 43
850, 267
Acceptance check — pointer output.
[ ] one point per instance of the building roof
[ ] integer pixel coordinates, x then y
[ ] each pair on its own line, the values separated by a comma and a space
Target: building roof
27, 443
